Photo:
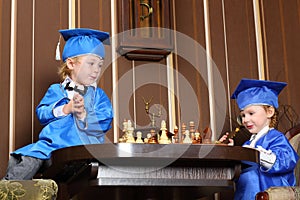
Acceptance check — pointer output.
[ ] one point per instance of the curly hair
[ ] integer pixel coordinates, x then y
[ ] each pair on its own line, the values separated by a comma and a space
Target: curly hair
274, 118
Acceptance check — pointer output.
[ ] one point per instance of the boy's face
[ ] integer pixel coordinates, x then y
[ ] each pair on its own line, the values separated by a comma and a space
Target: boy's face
86, 70
256, 117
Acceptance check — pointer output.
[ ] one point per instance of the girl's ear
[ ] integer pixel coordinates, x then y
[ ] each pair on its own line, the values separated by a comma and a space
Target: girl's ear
270, 111
70, 63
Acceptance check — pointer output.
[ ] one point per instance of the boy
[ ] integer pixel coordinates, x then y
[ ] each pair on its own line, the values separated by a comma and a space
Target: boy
74, 112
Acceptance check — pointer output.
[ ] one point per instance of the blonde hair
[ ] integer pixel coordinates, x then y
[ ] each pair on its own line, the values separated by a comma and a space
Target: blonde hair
64, 71
274, 118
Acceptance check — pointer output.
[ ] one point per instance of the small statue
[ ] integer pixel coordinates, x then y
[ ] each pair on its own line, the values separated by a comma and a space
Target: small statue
152, 115
147, 103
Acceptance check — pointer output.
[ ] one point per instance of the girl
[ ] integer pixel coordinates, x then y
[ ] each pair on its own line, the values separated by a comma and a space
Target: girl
258, 101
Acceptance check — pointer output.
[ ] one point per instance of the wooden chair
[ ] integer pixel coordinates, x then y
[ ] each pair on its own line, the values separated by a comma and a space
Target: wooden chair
286, 193
36, 189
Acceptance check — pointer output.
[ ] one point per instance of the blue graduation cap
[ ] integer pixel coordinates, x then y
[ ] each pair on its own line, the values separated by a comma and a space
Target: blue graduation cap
81, 41
257, 92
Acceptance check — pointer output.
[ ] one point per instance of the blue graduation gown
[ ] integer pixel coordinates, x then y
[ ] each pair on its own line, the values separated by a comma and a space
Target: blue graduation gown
257, 179
65, 131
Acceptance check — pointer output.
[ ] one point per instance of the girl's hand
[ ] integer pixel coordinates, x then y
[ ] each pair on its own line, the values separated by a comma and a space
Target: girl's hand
224, 137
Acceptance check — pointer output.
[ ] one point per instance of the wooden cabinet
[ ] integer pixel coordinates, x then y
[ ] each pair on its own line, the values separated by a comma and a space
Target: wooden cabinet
145, 31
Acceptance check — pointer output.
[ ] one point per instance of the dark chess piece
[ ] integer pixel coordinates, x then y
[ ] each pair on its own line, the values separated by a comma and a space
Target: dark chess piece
207, 136
153, 139
197, 138
240, 135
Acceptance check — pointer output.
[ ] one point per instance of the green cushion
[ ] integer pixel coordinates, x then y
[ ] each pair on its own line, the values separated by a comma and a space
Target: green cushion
36, 189
281, 193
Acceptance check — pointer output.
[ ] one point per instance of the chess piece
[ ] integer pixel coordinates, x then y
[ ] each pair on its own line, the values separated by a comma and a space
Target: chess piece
139, 137
183, 129
130, 130
153, 137
147, 139
207, 136
187, 139
175, 138
197, 139
231, 135
124, 130
192, 129
163, 138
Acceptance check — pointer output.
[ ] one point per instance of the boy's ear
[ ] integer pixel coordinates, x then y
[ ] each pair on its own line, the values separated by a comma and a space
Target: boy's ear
70, 63
270, 111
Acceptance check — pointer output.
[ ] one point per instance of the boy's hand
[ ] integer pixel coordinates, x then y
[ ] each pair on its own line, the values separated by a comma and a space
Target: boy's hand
76, 106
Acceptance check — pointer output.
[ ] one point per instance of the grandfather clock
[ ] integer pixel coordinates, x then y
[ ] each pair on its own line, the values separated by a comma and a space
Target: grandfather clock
145, 29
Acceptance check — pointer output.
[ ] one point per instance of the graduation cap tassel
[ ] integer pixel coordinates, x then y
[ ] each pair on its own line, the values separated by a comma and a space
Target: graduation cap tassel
57, 53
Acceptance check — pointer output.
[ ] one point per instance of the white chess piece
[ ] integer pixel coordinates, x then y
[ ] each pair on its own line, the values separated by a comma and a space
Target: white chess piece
130, 138
163, 138
187, 139
139, 137
124, 130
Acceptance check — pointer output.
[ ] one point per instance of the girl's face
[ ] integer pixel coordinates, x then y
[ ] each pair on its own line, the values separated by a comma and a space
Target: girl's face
86, 70
256, 117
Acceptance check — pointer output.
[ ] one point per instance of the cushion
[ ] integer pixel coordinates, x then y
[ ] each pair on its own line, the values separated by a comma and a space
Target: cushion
295, 141
36, 189
286, 193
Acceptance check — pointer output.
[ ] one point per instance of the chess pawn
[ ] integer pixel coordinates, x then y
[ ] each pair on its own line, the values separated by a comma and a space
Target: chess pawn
139, 137
164, 137
147, 139
187, 139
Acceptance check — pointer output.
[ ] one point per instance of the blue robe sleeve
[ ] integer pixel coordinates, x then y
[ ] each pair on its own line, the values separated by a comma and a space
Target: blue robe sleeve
286, 157
55, 96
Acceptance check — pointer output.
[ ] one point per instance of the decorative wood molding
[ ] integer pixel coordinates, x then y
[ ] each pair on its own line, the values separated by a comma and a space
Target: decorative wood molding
145, 29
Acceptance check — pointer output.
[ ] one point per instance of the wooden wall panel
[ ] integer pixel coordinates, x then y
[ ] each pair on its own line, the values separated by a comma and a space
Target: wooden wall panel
151, 82
5, 12
219, 54
233, 46
282, 38
96, 14
46, 36
24, 114
189, 20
